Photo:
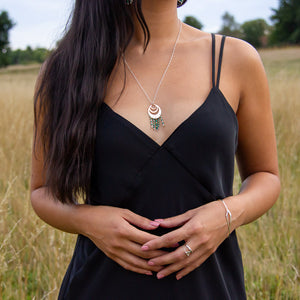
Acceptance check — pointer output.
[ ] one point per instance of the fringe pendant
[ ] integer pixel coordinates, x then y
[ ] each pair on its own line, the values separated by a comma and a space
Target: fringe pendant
154, 112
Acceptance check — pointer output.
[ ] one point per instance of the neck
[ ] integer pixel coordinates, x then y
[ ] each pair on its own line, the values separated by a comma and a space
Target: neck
162, 21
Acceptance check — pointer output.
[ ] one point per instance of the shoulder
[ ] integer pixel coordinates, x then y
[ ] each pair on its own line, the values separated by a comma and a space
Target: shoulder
237, 51
240, 52
243, 63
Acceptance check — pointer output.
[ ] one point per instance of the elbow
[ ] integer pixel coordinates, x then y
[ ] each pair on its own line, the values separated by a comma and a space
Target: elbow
35, 198
277, 185
274, 185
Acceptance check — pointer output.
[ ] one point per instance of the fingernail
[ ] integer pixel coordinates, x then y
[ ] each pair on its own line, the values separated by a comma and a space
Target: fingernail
149, 273
155, 224
145, 247
176, 245
178, 277
159, 220
151, 263
160, 276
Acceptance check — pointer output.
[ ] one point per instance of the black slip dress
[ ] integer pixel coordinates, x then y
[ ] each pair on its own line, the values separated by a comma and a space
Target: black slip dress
194, 166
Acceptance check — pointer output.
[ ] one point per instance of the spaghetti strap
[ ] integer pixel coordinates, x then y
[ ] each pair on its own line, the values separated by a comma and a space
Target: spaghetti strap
214, 60
213, 47
220, 60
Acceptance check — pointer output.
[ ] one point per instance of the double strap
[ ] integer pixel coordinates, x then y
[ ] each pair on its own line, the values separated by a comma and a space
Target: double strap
214, 60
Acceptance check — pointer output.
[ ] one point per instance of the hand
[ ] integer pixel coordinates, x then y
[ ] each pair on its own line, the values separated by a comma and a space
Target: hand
203, 229
111, 230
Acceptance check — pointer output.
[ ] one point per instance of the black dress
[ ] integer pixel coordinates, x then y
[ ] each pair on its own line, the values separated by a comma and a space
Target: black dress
194, 166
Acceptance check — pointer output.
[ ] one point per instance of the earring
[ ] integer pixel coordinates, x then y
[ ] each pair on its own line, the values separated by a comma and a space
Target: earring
179, 2
129, 2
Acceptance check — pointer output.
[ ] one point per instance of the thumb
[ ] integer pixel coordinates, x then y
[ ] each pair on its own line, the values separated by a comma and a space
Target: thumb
174, 221
140, 221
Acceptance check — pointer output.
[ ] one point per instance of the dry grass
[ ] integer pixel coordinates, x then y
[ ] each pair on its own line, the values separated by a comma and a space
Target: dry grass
271, 245
34, 256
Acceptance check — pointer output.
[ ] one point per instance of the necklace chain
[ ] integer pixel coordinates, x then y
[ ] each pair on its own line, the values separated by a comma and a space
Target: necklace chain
174, 47
154, 111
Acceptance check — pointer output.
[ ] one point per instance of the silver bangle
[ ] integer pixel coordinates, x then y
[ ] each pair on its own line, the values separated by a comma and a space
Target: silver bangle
227, 216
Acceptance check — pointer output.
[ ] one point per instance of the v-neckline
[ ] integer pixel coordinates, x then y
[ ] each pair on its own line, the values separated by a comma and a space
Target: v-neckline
146, 136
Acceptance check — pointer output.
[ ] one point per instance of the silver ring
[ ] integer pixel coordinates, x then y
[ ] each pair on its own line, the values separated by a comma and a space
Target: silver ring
189, 250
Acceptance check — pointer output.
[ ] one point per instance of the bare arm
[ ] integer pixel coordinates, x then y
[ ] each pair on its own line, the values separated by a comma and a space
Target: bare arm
110, 228
256, 153
61, 216
205, 228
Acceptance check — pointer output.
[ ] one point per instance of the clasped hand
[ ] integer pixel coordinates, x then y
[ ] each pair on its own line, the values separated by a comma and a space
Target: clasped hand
117, 232
203, 229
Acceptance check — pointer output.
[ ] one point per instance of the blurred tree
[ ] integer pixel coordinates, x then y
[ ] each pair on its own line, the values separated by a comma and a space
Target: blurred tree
192, 21
40, 54
230, 27
255, 32
5, 25
28, 55
286, 22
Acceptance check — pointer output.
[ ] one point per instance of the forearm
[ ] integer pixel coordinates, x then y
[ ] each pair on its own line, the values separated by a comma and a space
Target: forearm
65, 217
257, 195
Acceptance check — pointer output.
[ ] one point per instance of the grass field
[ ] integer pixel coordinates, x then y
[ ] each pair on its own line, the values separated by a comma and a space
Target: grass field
34, 256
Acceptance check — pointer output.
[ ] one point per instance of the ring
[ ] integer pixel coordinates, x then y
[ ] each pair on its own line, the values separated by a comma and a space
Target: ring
189, 250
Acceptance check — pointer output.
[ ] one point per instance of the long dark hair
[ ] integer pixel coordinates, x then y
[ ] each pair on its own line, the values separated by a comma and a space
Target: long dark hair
72, 85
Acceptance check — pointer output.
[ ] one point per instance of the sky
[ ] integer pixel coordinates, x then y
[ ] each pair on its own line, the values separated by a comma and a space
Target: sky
40, 23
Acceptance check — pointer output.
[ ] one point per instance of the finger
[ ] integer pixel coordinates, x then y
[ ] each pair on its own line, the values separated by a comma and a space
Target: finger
136, 250
182, 253
129, 267
137, 262
169, 258
175, 267
188, 264
139, 236
166, 241
175, 221
191, 266
139, 221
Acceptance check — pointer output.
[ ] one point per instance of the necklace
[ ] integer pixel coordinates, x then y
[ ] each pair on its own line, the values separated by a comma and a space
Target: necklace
154, 111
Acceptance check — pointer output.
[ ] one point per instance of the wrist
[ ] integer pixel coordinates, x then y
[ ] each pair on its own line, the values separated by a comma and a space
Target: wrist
227, 216
236, 209
81, 217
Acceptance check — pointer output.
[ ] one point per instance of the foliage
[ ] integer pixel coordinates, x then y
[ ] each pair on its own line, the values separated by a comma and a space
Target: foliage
286, 30
286, 23
255, 32
5, 25
27, 56
192, 21
230, 27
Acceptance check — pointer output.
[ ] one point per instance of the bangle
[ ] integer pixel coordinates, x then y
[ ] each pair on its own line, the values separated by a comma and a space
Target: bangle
227, 216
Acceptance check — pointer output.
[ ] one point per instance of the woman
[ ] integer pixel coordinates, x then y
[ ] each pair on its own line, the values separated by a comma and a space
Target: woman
141, 116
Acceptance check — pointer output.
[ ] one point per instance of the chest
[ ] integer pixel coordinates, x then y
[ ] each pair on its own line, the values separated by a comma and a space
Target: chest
184, 89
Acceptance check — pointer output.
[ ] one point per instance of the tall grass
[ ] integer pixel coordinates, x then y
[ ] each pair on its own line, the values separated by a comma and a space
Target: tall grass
271, 245
34, 256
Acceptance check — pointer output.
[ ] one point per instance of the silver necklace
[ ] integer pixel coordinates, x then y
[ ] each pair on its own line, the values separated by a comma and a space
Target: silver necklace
154, 111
